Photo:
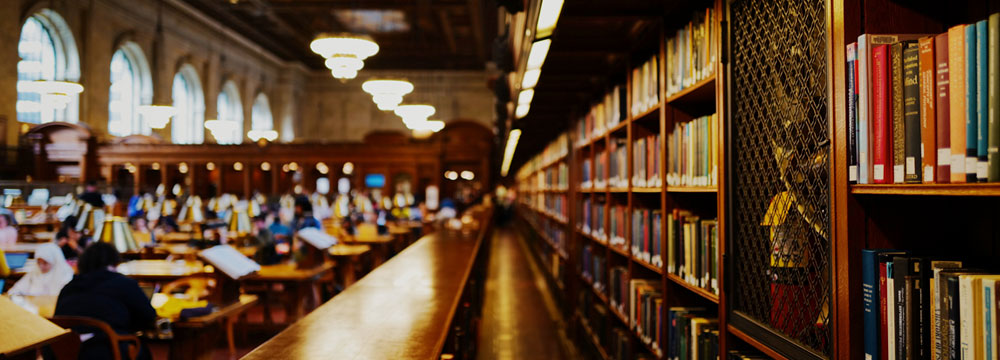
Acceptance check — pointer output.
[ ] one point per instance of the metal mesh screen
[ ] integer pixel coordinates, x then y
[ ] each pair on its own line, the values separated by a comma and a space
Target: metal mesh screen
779, 171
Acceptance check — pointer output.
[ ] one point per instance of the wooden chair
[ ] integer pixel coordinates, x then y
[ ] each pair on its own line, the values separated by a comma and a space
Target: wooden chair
114, 339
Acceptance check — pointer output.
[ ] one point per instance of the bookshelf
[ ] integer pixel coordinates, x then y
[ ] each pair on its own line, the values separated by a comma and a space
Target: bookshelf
595, 197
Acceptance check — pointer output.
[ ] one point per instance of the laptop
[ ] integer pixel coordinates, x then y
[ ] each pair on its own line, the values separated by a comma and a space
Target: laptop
16, 260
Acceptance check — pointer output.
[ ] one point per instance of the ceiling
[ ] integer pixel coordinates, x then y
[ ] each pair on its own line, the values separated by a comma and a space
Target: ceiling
412, 34
590, 53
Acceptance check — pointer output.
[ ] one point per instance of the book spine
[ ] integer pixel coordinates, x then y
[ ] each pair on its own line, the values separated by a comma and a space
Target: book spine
890, 288
883, 334
898, 150
993, 151
911, 113
900, 273
954, 318
966, 310
982, 101
864, 116
971, 105
943, 109
882, 119
852, 113
928, 114
987, 329
957, 110
869, 278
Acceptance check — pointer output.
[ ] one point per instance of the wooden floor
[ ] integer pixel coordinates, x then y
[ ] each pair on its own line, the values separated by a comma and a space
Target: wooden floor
520, 320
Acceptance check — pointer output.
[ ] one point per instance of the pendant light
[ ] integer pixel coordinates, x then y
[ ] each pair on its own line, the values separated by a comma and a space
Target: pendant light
158, 114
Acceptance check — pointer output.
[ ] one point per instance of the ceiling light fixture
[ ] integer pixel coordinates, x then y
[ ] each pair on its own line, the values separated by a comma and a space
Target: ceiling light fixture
508, 152
344, 53
387, 94
530, 78
548, 16
256, 135
539, 50
220, 127
522, 110
156, 116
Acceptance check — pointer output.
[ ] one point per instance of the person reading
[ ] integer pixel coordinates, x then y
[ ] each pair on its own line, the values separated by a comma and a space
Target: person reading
48, 276
8, 233
100, 292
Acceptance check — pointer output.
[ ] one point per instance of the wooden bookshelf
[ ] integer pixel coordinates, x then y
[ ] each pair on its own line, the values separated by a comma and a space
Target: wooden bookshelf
656, 269
692, 189
708, 295
978, 189
646, 190
591, 336
650, 114
701, 92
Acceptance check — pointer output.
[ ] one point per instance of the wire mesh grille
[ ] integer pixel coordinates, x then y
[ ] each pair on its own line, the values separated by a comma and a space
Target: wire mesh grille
780, 245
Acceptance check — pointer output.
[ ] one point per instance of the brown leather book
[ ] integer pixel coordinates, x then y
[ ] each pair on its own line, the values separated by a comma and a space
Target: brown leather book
943, 109
928, 114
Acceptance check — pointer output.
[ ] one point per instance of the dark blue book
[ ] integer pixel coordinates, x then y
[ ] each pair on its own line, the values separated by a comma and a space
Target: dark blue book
870, 287
971, 109
982, 100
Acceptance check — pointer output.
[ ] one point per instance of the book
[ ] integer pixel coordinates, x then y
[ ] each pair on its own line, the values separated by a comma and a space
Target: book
316, 238
941, 56
871, 285
993, 150
881, 126
886, 299
230, 261
892, 314
936, 286
911, 114
905, 271
852, 113
982, 100
956, 98
898, 126
971, 157
928, 111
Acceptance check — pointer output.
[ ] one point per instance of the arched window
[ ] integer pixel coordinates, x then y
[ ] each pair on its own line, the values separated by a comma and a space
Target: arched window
260, 115
48, 52
230, 109
189, 102
130, 87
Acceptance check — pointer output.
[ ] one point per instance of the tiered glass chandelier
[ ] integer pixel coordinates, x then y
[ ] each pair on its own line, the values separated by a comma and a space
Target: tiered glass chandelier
415, 118
157, 116
54, 93
344, 53
387, 94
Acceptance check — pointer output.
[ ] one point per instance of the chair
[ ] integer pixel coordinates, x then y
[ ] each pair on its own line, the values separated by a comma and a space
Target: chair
198, 287
114, 339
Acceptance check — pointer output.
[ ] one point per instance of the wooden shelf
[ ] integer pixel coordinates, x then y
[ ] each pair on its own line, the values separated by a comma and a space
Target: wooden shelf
647, 190
752, 342
618, 251
620, 316
648, 114
618, 190
692, 189
601, 295
585, 324
699, 93
708, 295
648, 265
976, 189
592, 238
618, 130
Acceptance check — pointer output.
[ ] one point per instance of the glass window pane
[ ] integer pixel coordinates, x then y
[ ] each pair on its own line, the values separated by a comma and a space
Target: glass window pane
38, 62
122, 97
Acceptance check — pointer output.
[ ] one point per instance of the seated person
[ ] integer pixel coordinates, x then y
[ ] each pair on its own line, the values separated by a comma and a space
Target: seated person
50, 273
263, 240
8, 233
71, 242
303, 215
101, 293
141, 230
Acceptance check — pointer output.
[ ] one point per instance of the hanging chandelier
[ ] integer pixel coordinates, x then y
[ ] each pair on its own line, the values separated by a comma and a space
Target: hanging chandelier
387, 94
220, 127
256, 135
344, 53
415, 118
54, 93
156, 116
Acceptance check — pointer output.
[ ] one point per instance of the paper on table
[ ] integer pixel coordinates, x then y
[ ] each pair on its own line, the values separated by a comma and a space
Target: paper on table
317, 238
230, 261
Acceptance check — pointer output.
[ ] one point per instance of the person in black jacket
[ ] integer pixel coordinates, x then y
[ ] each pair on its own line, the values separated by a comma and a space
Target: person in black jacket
100, 292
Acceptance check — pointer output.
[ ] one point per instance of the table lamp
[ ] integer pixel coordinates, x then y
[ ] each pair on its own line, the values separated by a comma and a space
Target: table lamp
191, 212
239, 224
117, 232
90, 219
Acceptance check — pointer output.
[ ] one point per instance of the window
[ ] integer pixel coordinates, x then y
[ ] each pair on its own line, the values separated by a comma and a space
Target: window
230, 109
47, 51
130, 87
189, 102
260, 115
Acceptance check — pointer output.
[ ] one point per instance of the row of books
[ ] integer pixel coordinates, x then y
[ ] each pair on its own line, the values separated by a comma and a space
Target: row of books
646, 233
552, 232
692, 152
692, 249
646, 161
646, 311
554, 151
591, 218
602, 116
618, 163
554, 178
645, 86
555, 205
619, 221
592, 266
690, 52
692, 335
918, 307
924, 108
586, 173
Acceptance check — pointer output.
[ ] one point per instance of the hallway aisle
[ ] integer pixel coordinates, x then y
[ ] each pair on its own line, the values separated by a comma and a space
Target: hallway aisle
520, 318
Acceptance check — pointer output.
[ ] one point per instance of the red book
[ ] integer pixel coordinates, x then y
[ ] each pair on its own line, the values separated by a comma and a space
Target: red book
943, 109
883, 305
882, 123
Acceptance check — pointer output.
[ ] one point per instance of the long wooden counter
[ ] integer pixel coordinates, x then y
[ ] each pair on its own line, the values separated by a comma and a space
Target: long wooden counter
401, 310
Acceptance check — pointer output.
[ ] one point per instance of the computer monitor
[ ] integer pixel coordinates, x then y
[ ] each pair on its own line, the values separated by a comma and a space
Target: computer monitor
16, 260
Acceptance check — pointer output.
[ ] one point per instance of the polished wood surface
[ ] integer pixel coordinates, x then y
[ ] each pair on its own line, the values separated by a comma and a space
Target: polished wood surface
289, 272
44, 306
22, 330
224, 312
401, 309
160, 270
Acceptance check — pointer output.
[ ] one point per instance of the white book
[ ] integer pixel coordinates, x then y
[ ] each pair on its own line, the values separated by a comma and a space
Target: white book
230, 261
966, 312
317, 238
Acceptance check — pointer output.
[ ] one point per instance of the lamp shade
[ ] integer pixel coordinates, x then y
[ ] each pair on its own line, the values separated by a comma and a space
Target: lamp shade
167, 207
116, 231
358, 46
191, 212
239, 223
90, 219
